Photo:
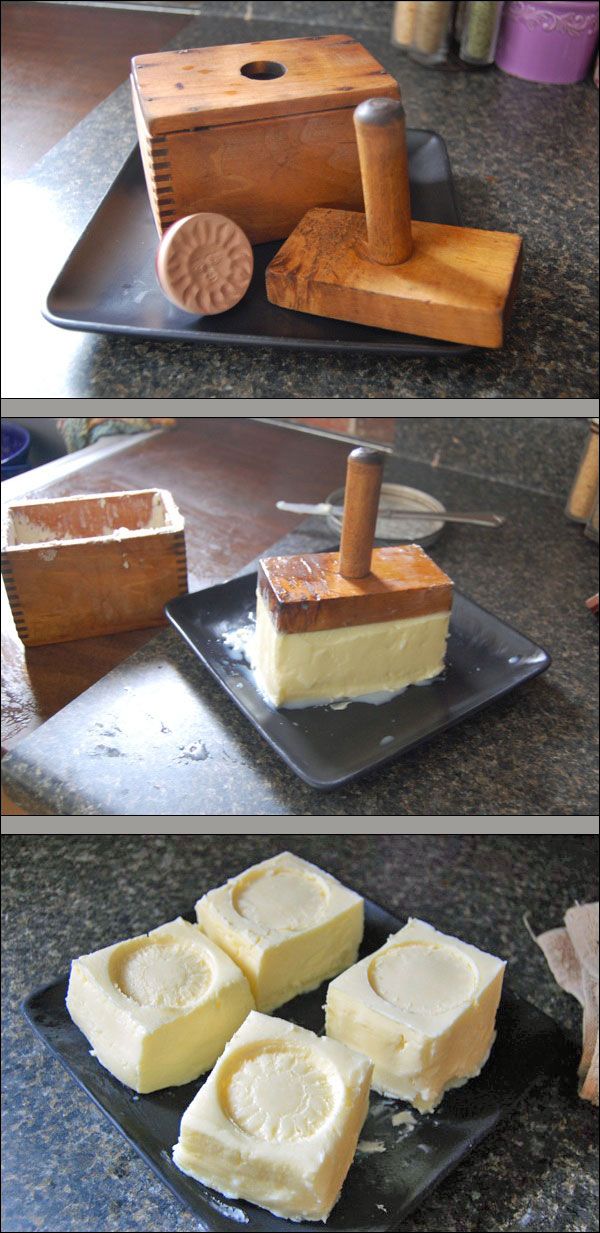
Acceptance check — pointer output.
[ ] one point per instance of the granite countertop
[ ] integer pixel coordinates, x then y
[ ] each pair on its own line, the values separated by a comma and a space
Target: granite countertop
66, 1168
523, 158
531, 752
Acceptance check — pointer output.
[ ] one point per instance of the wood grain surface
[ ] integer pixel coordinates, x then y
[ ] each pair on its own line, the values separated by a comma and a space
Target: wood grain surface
77, 579
264, 174
261, 152
458, 285
205, 85
225, 475
307, 593
61, 60
361, 503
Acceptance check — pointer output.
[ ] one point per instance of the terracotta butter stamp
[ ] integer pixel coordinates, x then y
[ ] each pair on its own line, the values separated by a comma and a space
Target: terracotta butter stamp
204, 263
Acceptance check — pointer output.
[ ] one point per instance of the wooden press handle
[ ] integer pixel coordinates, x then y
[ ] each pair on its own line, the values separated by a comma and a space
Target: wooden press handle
361, 500
381, 137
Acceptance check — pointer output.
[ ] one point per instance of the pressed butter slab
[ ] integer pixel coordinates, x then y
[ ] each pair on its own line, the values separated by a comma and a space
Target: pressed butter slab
278, 1119
381, 1188
158, 1009
287, 924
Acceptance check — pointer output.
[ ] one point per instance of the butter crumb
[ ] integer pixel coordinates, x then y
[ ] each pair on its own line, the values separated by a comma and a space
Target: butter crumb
405, 1118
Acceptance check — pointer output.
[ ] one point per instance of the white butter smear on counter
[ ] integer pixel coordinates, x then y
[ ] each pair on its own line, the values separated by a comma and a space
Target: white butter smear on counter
370, 1146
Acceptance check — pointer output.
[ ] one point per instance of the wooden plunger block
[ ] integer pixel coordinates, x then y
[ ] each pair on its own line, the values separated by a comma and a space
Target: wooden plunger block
379, 268
358, 585
308, 592
364, 473
359, 623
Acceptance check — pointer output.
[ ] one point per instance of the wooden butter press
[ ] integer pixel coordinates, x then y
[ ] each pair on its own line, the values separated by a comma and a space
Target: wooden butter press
380, 268
260, 132
359, 584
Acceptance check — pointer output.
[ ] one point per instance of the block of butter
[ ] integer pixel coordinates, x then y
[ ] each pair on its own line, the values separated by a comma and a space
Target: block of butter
158, 1009
422, 1008
278, 1119
287, 924
321, 637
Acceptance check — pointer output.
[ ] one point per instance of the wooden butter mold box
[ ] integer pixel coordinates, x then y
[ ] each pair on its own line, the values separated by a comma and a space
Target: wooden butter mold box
260, 132
78, 567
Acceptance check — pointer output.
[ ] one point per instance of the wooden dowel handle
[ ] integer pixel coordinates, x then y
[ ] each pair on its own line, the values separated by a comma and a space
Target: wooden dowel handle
381, 137
361, 500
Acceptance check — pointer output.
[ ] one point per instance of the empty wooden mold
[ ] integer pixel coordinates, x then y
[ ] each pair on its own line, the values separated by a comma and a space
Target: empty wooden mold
77, 567
379, 268
357, 622
259, 132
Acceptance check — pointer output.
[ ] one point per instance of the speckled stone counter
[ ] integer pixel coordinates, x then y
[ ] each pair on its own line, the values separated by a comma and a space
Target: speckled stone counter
66, 1168
534, 751
524, 159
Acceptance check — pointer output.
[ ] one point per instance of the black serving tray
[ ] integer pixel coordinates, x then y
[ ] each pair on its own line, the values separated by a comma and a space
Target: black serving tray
381, 1188
327, 747
108, 284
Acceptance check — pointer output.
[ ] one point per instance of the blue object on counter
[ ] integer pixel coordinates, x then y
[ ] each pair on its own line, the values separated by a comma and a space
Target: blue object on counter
15, 448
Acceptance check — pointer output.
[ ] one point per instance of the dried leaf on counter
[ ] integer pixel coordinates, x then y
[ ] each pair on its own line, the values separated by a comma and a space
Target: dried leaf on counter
572, 956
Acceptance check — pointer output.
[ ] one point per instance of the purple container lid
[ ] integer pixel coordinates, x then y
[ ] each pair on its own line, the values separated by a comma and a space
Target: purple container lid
552, 42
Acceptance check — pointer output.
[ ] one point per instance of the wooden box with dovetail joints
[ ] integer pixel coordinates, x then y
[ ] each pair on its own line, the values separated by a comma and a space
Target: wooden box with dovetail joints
82, 566
260, 132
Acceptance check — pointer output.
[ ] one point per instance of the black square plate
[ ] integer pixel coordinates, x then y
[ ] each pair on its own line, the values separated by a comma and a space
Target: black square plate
327, 747
381, 1188
108, 285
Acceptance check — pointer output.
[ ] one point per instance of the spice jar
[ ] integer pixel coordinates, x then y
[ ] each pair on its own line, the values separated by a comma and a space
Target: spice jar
431, 35
479, 31
403, 23
585, 486
458, 19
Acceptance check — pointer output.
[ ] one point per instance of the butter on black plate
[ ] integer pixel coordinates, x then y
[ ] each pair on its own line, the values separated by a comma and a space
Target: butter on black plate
382, 1186
327, 746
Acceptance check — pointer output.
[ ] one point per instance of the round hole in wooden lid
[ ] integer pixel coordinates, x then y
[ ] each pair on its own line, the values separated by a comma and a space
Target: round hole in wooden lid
263, 70
204, 263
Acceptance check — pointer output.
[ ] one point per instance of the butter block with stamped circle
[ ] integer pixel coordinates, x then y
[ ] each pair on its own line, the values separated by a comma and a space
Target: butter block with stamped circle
422, 1008
278, 1119
158, 1009
287, 923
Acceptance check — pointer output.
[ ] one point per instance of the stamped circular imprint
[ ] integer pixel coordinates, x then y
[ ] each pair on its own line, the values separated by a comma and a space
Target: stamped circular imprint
282, 898
165, 974
423, 978
278, 1094
204, 263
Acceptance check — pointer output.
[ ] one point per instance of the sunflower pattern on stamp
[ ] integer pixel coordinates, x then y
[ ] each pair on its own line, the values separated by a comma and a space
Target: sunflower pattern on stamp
204, 263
